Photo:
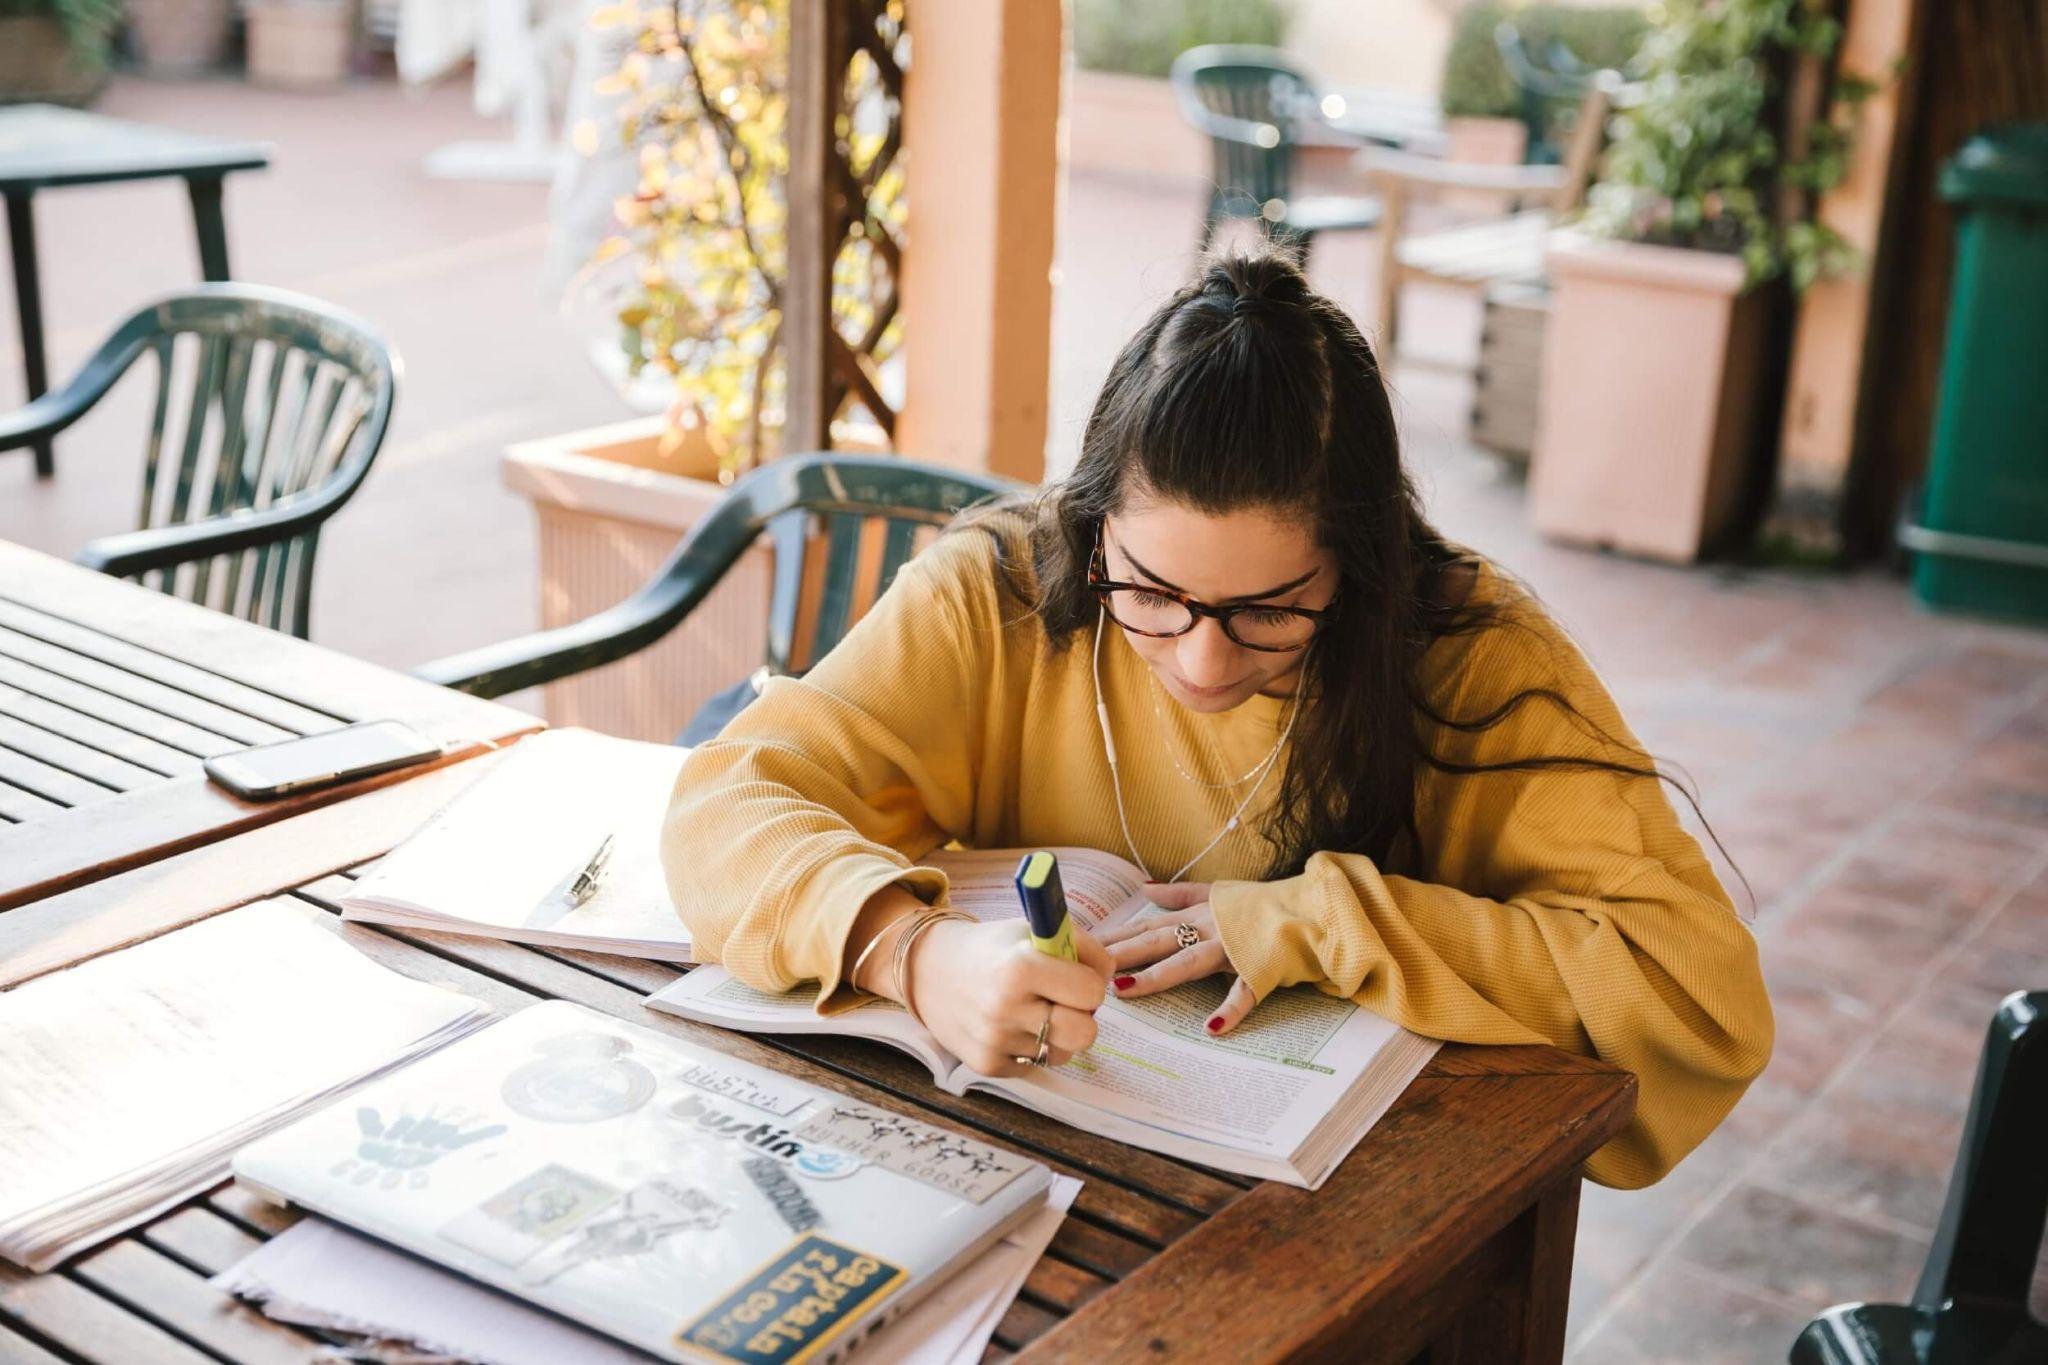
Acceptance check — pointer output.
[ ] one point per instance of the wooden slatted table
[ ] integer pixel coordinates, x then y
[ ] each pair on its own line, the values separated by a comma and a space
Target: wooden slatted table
1446, 1236
111, 697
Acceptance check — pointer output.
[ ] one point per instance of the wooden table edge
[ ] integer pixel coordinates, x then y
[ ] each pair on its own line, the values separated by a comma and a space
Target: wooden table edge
1101, 1329
257, 815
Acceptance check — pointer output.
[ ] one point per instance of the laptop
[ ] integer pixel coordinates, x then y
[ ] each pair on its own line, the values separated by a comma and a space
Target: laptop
697, 1207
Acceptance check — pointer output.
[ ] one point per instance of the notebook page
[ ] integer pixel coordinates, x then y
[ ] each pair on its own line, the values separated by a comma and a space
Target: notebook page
502, 855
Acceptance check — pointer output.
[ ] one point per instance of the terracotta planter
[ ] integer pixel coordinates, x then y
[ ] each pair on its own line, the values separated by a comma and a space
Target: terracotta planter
38, 62
611, 507
1649, 420
179, 37
300, 44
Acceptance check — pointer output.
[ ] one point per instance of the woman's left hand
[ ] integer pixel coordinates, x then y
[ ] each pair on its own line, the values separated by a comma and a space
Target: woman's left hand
1146, 955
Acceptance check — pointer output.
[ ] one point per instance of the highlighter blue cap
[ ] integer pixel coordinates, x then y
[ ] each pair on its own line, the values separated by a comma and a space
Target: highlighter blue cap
1044, 898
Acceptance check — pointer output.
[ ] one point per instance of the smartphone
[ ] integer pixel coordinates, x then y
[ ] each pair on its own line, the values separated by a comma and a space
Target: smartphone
294, 765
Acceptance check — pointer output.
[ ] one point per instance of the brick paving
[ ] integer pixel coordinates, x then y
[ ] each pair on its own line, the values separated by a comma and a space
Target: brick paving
1880, 774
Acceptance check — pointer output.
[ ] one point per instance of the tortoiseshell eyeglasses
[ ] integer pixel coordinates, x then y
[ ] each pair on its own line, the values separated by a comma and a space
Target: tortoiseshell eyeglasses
1163, 613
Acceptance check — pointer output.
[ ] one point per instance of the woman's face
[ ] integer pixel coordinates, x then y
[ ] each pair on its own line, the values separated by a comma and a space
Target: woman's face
1260, 555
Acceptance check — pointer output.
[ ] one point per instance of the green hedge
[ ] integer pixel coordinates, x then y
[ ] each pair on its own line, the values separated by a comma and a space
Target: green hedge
1476, 83
1142, 37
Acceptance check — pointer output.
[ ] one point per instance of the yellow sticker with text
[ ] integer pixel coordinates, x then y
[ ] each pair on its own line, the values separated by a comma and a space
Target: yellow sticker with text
796, 1305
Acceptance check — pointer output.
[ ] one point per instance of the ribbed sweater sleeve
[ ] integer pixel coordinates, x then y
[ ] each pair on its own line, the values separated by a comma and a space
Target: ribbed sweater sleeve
828, 788
1559, 906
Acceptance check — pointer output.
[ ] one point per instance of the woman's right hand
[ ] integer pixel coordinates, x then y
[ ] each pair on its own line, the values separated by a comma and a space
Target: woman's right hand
984, 992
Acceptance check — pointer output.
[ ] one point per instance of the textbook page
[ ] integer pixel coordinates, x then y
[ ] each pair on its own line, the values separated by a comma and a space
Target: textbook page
712, 995
1100, 888
1170, 1085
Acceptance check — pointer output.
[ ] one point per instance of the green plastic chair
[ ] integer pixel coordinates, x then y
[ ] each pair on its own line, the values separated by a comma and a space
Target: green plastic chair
1550, 91
1970, 1307
826, 514
269, 410
1251, 101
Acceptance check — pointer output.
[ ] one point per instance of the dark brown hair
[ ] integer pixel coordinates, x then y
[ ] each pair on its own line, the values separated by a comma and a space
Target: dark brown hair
1249, 389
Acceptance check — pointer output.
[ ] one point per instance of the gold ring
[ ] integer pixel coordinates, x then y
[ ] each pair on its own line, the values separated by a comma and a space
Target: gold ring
1044, 1032
1186, 935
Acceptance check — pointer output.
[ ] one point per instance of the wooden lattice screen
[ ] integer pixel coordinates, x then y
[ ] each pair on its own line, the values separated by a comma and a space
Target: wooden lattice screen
845, 212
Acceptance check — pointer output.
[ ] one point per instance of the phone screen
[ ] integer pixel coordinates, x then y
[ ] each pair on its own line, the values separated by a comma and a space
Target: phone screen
333, 756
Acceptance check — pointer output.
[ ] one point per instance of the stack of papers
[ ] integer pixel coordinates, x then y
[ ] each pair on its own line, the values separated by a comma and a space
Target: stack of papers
499, 861
689, 1204
317, 1275
128, 1082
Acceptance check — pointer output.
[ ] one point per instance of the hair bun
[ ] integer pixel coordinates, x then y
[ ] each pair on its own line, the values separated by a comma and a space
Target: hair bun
1257, 282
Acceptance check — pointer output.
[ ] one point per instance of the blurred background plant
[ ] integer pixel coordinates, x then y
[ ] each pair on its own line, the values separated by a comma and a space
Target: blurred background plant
56, 49
1476, 81
1142, 37
1696, 158
696, 268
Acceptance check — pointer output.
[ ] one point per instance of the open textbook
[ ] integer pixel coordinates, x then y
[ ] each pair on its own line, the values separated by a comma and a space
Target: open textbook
1285, 1095
498, 861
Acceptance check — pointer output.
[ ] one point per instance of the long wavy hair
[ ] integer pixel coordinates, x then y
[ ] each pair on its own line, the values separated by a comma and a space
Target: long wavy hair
1247, 389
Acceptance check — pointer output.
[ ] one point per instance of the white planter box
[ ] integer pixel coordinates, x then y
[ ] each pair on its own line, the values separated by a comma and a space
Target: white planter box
610, 509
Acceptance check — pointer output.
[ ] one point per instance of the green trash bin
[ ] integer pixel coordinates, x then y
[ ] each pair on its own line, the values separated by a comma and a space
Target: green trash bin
1981, 543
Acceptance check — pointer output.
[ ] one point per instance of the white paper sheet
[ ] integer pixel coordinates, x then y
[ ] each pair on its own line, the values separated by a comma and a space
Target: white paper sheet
499, 859
125, 1083
319, 1275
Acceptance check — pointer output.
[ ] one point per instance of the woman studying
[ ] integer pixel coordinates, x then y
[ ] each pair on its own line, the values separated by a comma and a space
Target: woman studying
1229, 647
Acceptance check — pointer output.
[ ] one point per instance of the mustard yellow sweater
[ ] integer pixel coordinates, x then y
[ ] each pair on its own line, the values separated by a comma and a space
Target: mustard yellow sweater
1561, 907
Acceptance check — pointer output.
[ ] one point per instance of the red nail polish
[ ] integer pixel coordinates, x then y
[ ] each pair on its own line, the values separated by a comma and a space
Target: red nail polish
1124, 983
1215, 1026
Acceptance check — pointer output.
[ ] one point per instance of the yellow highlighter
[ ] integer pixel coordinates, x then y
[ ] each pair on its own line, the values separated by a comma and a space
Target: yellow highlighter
1045, 906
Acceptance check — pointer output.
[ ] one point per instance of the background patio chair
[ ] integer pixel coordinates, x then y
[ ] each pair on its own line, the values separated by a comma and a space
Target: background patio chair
842, 525
1549, 88
1250, 101
1971, 1302
1493, 251
269, 408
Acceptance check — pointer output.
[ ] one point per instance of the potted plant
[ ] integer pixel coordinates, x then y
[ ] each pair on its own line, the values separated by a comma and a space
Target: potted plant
1661, 358
55, 51
300, 44
178, 37
689, 119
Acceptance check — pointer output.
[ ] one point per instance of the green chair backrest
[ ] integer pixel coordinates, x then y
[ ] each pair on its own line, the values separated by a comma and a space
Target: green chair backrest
842, 525
261, 396
841, 541
1232, 92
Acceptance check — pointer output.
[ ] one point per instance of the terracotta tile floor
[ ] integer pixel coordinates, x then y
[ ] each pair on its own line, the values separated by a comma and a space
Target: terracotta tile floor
1881, 775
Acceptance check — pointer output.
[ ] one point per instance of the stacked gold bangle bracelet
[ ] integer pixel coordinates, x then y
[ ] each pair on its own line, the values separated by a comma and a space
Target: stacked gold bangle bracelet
906, 939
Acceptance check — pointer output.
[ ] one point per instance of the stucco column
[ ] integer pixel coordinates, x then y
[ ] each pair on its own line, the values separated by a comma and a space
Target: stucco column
981, 106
